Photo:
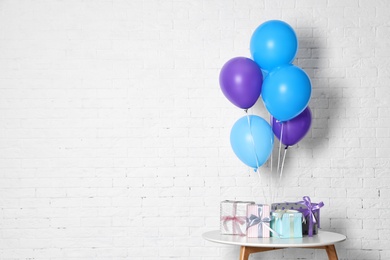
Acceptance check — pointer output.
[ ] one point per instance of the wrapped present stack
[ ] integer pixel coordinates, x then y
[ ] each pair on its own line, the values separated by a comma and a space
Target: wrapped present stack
309, 210
280, 220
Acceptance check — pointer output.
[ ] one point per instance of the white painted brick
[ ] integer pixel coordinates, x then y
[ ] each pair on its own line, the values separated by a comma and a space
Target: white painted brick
384, 192
359, 233
346, 223
359, 173
344, 142
322, 152
360, 152
363, 254
343, 163
325, 172
373, 244
361, 132
374, 224
314, 182
111, 111
377, 163
375, 203
384, 254
346, 182
365, 193
336, 192
381, 173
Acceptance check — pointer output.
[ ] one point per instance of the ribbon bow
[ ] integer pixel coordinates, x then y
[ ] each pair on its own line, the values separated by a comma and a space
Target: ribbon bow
255, 220
236, 221
309, 212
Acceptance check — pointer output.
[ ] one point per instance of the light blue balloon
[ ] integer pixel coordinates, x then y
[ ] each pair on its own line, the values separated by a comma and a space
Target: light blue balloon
286, 92
273, 44
252, 145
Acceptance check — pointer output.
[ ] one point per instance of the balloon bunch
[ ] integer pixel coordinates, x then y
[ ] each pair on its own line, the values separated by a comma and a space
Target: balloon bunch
285, 91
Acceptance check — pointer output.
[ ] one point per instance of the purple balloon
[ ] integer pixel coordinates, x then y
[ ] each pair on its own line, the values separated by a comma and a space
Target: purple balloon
293, 130
241, 80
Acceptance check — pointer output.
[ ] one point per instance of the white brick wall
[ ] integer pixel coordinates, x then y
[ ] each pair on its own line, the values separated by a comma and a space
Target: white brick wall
114, 134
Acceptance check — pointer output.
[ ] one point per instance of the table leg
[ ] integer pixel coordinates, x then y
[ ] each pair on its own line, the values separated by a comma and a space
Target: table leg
331, 251
247, 250
244, 253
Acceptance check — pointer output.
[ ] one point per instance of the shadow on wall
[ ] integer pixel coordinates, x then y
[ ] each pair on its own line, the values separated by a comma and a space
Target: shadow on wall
313, 58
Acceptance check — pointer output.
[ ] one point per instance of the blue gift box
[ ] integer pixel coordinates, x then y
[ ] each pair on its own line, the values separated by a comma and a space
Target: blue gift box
286, 223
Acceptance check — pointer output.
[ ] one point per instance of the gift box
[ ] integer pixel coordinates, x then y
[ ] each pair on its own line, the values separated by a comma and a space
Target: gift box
310, 211
258, 220
233, 217
286, 223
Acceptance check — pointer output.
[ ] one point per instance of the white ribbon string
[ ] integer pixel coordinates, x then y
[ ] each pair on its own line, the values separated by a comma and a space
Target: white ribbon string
280, 147
271, 161
254, 151
264, 196
281, 169
253, 141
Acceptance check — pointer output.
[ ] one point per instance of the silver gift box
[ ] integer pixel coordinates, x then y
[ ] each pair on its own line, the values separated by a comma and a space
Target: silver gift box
233, 217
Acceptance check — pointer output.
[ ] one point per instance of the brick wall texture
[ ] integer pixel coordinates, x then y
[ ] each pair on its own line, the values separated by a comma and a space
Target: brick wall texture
114, 133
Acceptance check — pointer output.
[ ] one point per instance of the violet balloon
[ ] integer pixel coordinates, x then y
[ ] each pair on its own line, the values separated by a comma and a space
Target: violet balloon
293, 130
241, 80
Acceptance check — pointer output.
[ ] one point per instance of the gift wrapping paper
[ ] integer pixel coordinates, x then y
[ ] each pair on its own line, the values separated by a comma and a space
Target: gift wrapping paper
233, 217
287, 223
310, 211
258, 220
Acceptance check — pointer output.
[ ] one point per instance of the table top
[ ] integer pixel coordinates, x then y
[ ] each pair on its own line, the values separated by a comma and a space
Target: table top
323, 238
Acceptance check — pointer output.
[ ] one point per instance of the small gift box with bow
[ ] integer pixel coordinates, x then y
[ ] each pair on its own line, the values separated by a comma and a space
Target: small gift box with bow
233, 217
258, 220
286, 223
310, 211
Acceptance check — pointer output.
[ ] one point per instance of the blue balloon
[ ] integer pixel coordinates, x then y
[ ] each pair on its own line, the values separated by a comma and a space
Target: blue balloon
273, 44
264, 73
252, 145
286, 92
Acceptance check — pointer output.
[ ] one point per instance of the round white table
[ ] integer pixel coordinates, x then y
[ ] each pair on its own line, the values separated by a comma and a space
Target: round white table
323, 240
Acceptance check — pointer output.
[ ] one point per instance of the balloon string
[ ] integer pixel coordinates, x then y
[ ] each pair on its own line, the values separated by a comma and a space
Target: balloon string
265, 198
272, 127
253, 141
281, 169
254, 150
280, 148
271, 191
271, 161
279, 155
